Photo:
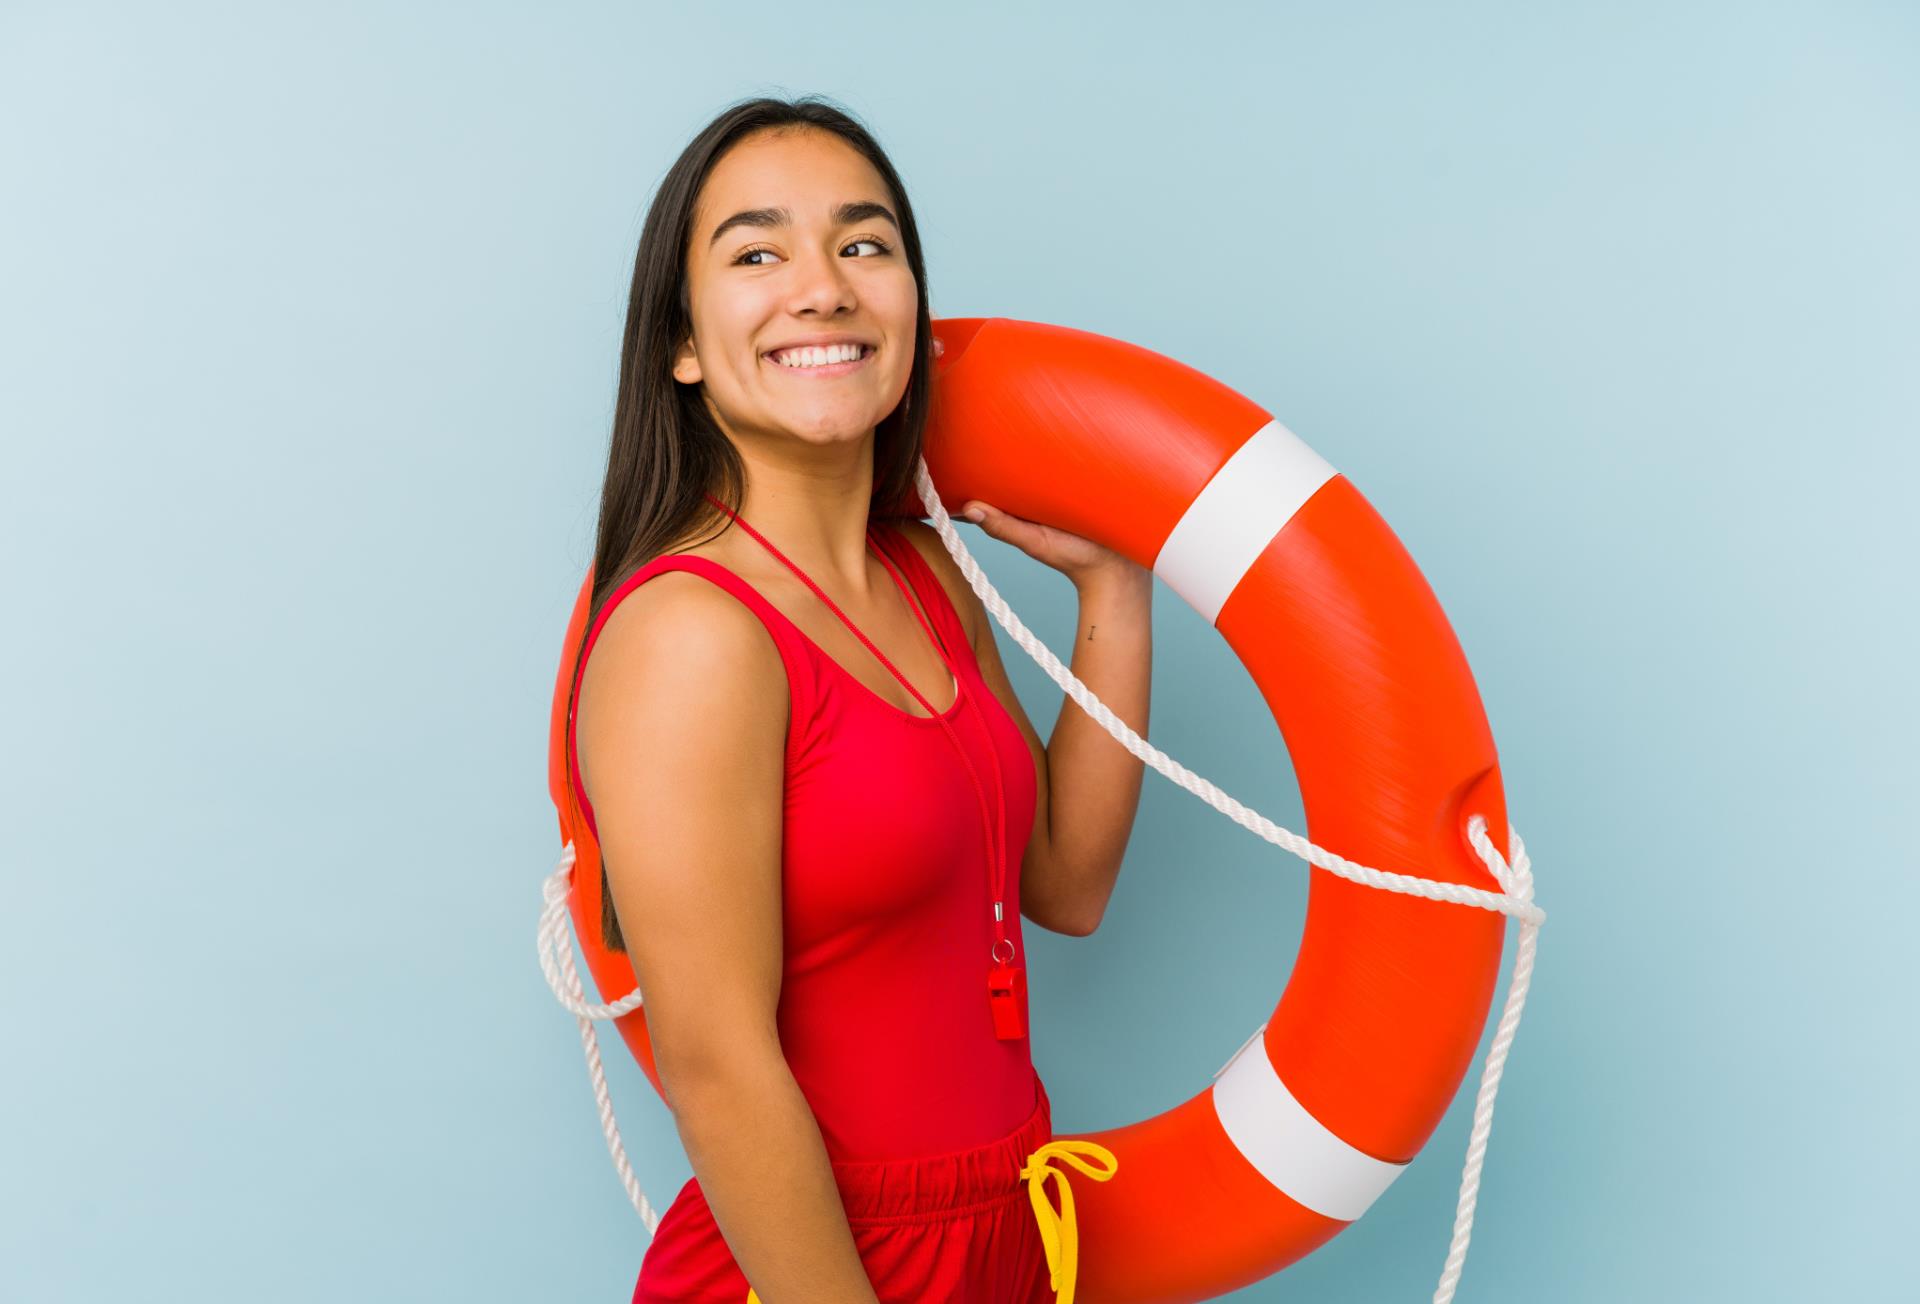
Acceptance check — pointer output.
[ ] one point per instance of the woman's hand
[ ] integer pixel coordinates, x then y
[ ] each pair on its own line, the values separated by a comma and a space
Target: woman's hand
1079, 559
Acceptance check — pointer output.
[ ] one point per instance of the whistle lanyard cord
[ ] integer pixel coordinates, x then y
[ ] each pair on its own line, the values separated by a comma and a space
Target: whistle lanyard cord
995, 836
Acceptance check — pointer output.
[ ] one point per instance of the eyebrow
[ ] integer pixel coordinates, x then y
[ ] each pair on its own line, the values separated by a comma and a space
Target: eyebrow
859, 210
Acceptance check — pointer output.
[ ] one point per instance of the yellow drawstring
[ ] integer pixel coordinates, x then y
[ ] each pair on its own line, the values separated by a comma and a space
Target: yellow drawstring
1058, 1229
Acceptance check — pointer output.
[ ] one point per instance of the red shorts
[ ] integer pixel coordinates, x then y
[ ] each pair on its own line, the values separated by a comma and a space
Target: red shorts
955, 1228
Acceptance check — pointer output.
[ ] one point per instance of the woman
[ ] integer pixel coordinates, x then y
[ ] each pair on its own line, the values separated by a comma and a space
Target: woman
807, 772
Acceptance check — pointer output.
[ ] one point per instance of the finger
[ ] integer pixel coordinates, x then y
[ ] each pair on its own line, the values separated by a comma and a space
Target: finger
1004, 526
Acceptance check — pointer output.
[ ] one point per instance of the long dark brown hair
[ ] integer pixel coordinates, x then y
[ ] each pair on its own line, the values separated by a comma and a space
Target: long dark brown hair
666, 453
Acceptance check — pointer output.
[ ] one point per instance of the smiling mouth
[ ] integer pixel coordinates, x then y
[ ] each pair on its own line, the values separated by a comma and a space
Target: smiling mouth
827, 368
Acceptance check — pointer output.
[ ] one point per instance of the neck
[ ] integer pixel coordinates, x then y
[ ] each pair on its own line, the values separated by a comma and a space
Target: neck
816, 518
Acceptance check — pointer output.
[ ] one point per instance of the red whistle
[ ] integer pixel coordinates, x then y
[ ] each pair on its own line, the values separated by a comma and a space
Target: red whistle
1007, 995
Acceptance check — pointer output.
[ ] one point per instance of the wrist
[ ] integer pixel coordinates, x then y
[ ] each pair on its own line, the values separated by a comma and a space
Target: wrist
1121, 581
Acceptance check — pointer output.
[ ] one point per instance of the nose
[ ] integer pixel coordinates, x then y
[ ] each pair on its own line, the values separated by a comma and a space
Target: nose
821, 286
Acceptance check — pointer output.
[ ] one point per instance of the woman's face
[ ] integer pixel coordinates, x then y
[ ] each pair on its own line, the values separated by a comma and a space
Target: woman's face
809, 253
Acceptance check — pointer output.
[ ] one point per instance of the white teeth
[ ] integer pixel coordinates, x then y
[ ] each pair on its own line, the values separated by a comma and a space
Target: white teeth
817, 357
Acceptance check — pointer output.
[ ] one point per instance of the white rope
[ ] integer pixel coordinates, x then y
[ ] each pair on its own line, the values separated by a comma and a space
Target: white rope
1520, 884
556, 961
1515, 899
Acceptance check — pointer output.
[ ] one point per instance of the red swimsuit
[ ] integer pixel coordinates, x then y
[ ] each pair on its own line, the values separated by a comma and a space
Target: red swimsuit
926, 1113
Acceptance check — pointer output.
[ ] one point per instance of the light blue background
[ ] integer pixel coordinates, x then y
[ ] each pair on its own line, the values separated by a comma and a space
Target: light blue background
306, 367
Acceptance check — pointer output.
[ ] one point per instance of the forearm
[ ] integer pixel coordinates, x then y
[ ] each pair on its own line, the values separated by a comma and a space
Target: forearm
1093, 782
756, 1148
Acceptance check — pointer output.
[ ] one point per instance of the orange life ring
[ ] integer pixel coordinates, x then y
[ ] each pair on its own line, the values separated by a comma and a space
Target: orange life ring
1330, 1099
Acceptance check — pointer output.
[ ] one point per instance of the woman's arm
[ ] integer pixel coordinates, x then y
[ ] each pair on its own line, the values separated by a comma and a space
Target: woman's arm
755, 1144
1088, 784
682, 735
1093, 789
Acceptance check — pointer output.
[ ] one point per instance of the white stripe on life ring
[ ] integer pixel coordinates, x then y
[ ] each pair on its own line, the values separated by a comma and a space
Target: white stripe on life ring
1290, 1147
1232, 520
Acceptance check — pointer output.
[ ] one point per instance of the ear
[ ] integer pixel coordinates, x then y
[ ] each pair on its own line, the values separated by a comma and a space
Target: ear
686, 364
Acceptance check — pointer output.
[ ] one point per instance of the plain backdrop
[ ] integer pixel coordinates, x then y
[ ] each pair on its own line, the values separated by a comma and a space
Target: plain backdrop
308, 323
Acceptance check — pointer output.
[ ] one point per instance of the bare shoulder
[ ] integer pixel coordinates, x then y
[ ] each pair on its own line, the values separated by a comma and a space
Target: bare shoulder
680, 646
973, 615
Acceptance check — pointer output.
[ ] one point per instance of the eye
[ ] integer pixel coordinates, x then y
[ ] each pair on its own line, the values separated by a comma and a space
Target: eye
745, 254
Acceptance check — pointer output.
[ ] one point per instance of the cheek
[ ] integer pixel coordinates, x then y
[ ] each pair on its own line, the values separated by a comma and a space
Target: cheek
899, 302
729, 324
898, 306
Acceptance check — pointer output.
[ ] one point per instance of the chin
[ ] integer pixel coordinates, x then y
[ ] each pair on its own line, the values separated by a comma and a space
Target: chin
832, 430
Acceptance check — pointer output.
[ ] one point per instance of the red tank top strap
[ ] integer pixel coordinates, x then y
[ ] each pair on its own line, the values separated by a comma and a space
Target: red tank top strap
792, 645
